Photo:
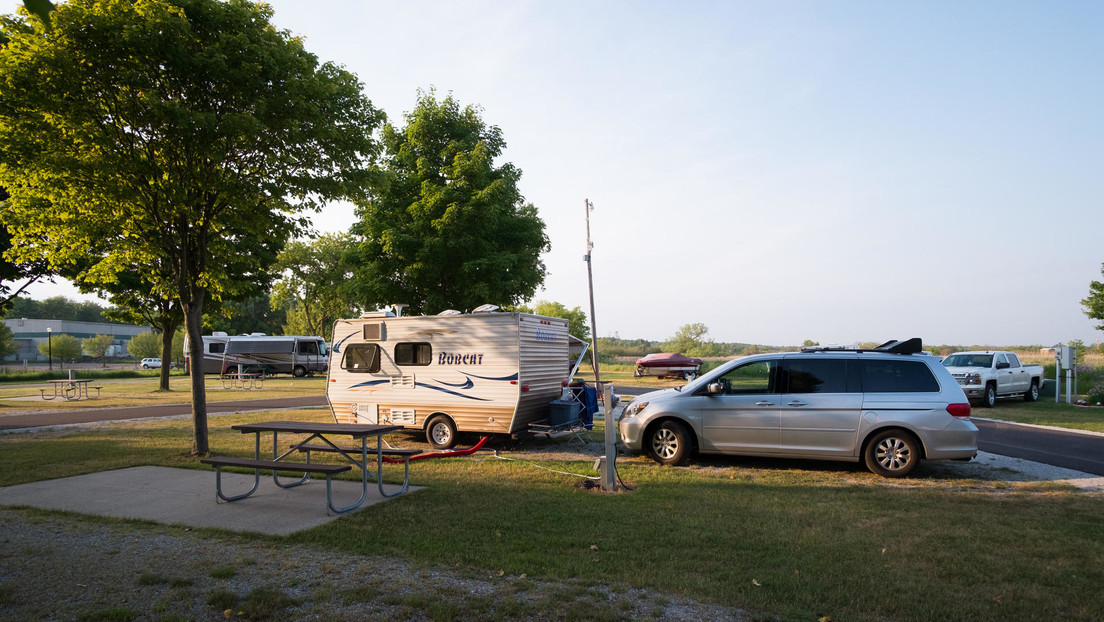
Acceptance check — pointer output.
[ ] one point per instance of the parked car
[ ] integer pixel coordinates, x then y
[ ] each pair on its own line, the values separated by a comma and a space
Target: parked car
889, 407
985, 376
150, 363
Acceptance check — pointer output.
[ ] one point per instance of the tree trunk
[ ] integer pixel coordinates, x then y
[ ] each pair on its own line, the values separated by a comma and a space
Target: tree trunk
168, 329
193, 325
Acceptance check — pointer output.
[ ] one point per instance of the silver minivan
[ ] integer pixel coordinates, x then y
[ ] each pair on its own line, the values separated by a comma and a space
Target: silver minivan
889, 407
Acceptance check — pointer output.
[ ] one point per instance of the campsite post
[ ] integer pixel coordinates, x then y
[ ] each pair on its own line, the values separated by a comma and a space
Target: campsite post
609, 474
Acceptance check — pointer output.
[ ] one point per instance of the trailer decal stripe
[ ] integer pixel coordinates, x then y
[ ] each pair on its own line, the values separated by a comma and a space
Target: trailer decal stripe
512, 377
467, 384
370, 383
337, 346
443, 390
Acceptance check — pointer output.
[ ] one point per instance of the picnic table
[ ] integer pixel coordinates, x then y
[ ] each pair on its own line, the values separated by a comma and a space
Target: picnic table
243, 380
323, 433
71, 389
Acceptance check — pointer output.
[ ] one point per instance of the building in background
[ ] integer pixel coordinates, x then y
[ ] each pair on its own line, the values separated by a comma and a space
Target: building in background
29, 333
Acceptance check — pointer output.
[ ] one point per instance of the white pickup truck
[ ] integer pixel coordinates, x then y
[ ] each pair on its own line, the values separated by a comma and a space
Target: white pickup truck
985, 376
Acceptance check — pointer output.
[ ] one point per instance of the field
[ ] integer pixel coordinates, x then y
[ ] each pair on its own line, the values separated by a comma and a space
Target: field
792, 539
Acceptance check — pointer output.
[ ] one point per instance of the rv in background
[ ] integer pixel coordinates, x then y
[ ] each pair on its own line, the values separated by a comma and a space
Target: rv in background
291, 354
479, 372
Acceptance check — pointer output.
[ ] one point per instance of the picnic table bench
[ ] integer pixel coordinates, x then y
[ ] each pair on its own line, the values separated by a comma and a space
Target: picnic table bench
355, 457
71, 389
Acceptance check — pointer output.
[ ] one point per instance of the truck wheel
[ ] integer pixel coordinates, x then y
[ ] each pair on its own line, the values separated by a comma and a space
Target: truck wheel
299, 371
990, 399
1032, 393
441, 432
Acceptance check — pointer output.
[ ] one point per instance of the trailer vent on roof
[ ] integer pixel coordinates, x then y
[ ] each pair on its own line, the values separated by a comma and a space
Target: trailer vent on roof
374, 331
485, 308
449, 312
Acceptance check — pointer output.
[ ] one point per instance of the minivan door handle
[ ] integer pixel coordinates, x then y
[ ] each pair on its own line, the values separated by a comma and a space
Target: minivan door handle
764, 403
797, 403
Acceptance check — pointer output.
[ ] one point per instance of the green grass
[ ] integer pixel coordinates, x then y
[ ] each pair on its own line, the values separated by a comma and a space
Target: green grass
795, 539
144, 392
1045, 412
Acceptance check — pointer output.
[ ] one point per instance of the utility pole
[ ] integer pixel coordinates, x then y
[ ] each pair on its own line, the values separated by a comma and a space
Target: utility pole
590, 281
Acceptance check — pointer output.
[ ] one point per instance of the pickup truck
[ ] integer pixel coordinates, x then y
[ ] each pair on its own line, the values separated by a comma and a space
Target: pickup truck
985, 376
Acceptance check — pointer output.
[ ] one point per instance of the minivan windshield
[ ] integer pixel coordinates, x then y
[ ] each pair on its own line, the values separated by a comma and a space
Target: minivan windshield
968, 360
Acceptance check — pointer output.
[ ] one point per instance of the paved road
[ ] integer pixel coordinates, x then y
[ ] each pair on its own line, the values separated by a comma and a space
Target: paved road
1070, 450
90, 415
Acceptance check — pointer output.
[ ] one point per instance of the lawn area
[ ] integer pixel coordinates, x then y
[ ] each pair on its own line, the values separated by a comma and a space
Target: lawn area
1045, 412
144, 392
800, 540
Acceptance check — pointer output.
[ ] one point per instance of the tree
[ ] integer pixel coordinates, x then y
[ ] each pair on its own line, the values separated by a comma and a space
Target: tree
241, 317
809, 343
7, 341
29, 270
1094, 303
188, 132
450, 229
98, 346
146, 345
61, 346
312, 284
576, 318
57, 308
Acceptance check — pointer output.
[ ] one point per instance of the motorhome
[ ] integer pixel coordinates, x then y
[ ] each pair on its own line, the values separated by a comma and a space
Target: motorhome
290, 354
487, 372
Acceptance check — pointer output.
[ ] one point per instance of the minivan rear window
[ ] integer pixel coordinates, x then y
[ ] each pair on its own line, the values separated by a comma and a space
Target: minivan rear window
897, 376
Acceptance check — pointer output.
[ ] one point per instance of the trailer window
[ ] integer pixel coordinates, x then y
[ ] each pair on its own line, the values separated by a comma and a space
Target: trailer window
413, 354
217, 347
361, 358
308, 347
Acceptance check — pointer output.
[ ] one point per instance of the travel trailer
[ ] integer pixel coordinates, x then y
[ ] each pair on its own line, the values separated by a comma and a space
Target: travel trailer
485, 372
296, 355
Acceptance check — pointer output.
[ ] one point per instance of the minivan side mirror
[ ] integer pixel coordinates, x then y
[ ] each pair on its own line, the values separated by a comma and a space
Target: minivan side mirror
715, 388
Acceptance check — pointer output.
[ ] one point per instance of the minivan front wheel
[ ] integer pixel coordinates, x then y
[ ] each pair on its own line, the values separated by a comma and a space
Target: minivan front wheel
892, 453
668, 443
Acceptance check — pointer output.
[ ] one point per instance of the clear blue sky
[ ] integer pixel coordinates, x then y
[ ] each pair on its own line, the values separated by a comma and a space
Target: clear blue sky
779, 171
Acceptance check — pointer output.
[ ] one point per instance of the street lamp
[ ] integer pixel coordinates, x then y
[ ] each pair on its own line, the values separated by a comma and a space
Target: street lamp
50, 346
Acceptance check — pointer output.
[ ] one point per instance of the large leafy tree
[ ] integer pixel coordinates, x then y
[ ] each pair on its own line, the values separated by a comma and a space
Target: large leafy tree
29, 270
312, 283
189, 132
1094, 303
450, 229
576, 318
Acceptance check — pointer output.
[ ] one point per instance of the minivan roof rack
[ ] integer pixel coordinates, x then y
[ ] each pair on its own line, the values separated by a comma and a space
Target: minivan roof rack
908, 346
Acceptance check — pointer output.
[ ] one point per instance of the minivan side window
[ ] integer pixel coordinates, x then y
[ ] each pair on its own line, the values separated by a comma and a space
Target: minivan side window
413, 354
823, 375
361, 358
896, 376
749, 379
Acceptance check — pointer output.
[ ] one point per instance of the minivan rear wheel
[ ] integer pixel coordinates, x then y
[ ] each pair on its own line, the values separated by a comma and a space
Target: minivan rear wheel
668, 443
892, 453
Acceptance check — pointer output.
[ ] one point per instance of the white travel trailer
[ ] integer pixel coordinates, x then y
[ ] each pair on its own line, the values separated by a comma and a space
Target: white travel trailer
291, 354
480, 372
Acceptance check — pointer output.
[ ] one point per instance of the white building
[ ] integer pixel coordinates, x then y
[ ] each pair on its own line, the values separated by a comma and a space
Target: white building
29, 333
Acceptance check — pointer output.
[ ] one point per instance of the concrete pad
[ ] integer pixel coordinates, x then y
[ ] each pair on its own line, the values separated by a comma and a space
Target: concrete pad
187, 497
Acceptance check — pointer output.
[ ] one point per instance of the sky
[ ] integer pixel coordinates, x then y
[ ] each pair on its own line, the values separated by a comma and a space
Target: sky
778, 171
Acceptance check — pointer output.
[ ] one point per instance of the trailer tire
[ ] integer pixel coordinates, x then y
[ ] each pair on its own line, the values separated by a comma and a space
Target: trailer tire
441, 432
299, 371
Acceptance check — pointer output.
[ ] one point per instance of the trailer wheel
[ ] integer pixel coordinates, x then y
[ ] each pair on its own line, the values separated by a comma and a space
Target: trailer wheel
299, 371
441, 432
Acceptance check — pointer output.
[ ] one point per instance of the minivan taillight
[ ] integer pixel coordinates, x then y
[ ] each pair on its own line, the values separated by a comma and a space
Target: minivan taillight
959, 410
